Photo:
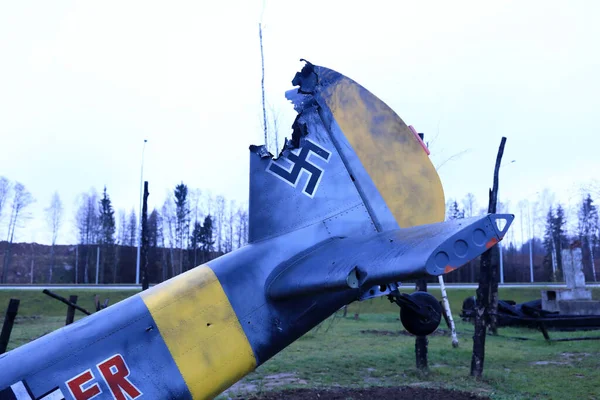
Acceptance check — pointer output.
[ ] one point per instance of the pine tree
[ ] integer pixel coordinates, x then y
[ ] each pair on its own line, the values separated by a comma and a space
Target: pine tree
560, 238
107, 220
207, 237
154, 222
107, 236
454, 212
182, 212
195, 241
550, 246
588, 232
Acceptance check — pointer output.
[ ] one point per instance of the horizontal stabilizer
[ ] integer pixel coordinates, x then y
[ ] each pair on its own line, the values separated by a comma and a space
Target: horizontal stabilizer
388, 257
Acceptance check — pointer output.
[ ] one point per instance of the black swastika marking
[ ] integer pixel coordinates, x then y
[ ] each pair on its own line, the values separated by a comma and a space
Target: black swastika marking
300, 163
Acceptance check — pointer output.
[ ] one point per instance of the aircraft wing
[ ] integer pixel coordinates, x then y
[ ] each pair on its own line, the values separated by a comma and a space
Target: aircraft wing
371, 262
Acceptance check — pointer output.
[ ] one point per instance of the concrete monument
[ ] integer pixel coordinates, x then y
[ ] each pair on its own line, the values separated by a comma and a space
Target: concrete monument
575, 299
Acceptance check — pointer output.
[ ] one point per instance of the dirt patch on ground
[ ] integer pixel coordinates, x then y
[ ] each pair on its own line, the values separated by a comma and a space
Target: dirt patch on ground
388, 393
268, 382
566, 359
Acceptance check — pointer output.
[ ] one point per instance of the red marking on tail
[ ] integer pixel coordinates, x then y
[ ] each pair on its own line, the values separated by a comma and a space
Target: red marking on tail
416, 134
492, 242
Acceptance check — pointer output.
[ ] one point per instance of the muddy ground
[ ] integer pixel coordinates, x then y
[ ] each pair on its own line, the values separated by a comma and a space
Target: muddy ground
388, 393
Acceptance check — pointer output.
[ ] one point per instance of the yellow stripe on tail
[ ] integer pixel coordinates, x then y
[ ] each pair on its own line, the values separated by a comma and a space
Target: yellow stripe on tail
392, 156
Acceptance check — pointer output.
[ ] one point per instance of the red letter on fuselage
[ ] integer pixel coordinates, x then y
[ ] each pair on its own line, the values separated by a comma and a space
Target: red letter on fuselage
75, 386
115, 373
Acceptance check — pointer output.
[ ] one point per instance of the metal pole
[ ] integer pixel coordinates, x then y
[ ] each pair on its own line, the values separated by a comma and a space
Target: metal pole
501, 264
531, 260
97, 264
77, 264
500, 243
137, 263
530, 245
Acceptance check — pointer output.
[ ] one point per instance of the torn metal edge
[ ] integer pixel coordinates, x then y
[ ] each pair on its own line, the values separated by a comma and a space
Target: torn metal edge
302, 99
261, 151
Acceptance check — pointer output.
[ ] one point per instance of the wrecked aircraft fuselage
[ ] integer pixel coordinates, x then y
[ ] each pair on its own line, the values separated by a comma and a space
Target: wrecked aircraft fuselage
351, 207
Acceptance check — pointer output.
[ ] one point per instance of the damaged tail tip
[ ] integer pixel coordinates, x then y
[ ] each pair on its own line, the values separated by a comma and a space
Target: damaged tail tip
261, 151
306, 79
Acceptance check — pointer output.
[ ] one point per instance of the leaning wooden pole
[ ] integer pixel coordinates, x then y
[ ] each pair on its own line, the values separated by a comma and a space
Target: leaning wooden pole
9, 321
448, 311
482, 304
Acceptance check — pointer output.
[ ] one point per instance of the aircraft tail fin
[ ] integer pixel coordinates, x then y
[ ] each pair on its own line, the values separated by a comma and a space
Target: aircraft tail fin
350, 159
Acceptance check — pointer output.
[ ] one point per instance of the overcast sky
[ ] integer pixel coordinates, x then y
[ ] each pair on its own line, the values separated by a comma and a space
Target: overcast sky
82, 84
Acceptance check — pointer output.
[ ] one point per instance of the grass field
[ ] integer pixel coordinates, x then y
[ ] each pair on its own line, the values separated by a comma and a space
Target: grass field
341, 352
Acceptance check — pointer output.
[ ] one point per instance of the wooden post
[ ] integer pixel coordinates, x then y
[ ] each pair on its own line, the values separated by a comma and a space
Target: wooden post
9, 320
484, 295
421, 342
493, 305
144, 255
71, 310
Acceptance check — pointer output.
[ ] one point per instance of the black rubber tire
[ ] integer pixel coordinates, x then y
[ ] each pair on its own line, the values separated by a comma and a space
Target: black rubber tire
416, 324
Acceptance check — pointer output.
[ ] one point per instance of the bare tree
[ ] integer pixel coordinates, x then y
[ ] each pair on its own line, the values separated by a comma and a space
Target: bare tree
540, 210
88, 222
169, 221
195, 202
469, 205
231, 226
123, 235
132, 229
262, 82
4, 193
21, 199
220, 220
242, 225
54, 219
274, 120
208, 202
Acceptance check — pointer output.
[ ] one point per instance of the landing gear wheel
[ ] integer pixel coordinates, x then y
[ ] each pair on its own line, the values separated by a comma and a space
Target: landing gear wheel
425, 322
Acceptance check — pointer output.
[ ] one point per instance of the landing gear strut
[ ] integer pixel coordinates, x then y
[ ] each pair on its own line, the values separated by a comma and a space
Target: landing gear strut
420, 312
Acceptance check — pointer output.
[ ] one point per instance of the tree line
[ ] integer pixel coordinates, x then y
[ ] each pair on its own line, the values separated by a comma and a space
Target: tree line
190, 228
187, 230
545, 229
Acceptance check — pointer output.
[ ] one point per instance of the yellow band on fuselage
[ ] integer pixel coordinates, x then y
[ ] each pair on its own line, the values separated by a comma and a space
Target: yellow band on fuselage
201, 330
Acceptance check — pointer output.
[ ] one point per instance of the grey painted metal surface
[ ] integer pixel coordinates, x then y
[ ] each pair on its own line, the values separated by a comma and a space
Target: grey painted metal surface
386, 257
430, 285
281, 204
125, 329
309, 218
